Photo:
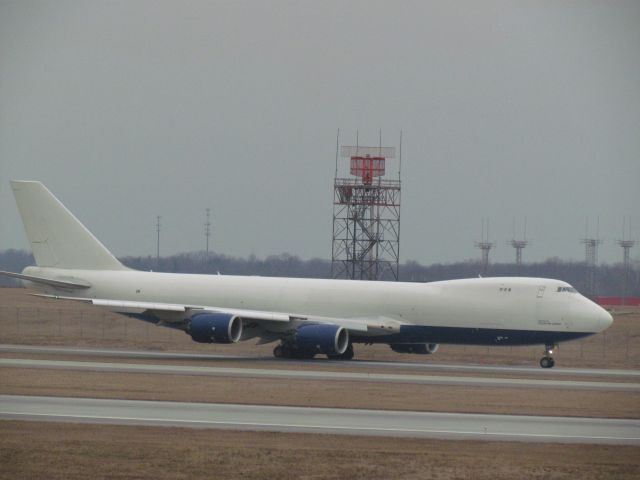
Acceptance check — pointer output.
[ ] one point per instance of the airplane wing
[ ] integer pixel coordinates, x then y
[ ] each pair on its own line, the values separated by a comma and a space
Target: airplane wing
169, 313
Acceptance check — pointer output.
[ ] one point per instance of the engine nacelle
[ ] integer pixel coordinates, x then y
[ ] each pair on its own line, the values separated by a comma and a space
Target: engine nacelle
211, 327
322, 338
419, 348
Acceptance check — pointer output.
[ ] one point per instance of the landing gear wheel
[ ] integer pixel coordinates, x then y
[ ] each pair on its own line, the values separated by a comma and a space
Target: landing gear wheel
547, 362
282, 351
347, 355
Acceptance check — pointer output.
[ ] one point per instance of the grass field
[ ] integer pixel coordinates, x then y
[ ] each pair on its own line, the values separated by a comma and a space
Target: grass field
79, 451
70, 451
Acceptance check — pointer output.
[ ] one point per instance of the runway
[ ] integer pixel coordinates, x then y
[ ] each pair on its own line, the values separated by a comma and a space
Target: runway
317, 375
323, 420
149, 354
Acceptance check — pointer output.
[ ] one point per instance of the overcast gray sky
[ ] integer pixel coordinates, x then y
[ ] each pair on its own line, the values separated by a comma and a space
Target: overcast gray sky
131, 109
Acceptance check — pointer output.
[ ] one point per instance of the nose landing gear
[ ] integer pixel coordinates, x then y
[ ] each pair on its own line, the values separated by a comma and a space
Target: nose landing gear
547, 361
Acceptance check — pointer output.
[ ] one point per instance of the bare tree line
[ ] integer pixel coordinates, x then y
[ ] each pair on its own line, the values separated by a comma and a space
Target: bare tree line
610, 278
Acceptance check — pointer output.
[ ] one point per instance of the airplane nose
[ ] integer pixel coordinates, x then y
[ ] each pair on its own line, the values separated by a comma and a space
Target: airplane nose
605, 319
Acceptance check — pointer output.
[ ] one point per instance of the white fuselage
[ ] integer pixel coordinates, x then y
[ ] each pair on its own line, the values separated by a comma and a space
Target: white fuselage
513, 303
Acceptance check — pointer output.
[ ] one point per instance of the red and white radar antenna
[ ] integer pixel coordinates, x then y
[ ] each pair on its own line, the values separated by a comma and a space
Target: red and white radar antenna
366, 215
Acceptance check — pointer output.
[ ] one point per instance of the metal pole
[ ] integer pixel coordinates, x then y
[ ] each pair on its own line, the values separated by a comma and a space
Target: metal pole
400, 158
158, 243
207, 231
399, 203
337, 147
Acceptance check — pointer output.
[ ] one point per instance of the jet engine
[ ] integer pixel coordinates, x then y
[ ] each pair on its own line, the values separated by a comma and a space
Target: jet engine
419, 348
322, 338
212, 327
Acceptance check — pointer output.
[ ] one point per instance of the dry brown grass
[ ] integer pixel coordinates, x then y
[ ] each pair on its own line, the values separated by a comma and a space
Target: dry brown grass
63, 451
79, 451
68, 451
338, 394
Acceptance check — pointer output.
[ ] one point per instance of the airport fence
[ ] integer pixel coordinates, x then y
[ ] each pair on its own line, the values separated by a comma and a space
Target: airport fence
28, 322
619, 346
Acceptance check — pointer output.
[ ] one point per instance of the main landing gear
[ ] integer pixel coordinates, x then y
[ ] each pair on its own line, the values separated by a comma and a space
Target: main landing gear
289, 350
547, 361
285, 350
279, 351
347, 355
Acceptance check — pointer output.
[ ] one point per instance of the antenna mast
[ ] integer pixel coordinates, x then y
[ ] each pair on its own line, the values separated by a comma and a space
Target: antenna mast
519, 245
485, 246
627, 244
158, 242
591, 245
207, 231
366, 216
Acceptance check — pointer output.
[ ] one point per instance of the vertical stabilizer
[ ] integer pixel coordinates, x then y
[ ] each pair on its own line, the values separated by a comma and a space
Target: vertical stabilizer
57, 238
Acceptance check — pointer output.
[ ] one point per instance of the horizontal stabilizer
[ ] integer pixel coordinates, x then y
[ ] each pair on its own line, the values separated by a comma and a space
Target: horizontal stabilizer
59, 282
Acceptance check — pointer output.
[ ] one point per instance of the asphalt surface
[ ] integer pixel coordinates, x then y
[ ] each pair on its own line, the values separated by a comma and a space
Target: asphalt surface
323, 420
149, 354
316, 375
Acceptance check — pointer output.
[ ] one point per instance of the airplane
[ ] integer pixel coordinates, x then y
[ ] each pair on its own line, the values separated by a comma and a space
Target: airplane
306, 316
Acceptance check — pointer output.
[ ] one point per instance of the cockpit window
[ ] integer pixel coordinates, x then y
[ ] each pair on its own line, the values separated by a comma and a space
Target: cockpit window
567, 289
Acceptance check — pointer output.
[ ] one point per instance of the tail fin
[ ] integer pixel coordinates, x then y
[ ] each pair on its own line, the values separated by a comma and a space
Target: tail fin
57, 238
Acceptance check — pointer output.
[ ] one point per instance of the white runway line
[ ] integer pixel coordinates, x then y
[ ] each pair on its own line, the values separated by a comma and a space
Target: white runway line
324, 420
349, 364
316, 375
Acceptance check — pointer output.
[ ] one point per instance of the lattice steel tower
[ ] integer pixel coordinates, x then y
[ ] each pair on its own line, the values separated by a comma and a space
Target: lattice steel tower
591, 250
207, 231
626, 245
519, 245
485, 246
366, 216
591, 260
591, 245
